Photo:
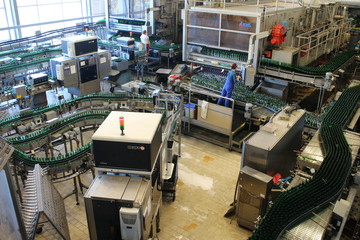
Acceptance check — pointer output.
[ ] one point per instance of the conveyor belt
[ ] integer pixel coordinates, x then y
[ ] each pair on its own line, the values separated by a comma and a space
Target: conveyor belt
331, 66
14, 65
327, 184
64, 161
67, 161
44, 132
243, 93
16, 119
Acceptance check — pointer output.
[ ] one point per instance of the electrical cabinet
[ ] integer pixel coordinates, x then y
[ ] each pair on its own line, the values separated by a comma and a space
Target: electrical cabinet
104, 63
271, 150
65, 70
253, 190
117, 207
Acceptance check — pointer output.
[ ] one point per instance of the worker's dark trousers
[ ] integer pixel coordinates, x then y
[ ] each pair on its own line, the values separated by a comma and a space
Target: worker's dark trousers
226, 92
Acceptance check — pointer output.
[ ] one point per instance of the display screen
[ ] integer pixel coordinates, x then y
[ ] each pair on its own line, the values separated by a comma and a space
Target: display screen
9, 225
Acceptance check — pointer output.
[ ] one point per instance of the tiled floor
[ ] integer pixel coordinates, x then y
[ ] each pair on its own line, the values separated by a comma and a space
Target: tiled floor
207, 178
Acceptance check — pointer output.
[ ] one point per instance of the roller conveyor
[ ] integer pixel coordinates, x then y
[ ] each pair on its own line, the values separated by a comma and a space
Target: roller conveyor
297, 203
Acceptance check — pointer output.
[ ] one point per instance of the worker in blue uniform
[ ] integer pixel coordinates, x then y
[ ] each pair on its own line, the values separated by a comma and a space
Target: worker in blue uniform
229, 86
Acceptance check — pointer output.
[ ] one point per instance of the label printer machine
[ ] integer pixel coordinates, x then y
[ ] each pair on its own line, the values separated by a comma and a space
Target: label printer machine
123, 200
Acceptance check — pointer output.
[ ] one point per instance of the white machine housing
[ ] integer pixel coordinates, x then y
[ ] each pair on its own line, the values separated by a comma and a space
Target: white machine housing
137, 149
77, 46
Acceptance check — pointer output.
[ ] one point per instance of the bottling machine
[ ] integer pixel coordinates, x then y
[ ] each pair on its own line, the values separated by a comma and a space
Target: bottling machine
82, 66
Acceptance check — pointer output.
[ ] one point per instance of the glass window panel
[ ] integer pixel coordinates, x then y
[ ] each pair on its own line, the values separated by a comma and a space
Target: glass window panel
3, 20
204, 19
48, 2
4, 36
26, 2
71, 1
95, 19
235, 40
71, 23
72, 10
137, 9
239, 23
203, 36
119, 8
1, 3
29, 31
53, 26
12, 34
98, 7
49, 13
28, 15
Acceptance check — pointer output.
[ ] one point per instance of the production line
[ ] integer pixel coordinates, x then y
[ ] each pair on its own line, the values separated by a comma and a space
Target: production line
293, 115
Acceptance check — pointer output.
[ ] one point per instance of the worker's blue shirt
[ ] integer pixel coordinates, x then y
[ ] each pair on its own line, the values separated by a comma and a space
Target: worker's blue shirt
230, 80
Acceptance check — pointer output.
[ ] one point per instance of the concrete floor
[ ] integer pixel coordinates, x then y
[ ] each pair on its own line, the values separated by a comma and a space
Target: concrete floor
207, 178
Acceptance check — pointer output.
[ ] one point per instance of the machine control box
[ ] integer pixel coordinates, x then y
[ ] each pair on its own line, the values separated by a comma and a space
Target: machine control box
271, 150
253, 190
136, 150
104, 63
77, 46
65, 70
126, 42
39, 78
19, 91
117, 207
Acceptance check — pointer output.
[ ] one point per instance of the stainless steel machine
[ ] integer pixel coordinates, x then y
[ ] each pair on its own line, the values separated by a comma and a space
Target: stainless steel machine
271, 149
64, 70
267, 153
119, 207
83, 65
160, 17
253, 195
219, 33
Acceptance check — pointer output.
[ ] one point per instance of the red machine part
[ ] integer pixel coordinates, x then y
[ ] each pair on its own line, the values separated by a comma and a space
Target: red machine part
278, 35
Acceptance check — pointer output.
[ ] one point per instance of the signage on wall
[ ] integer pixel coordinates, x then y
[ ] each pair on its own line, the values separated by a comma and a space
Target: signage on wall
245, 24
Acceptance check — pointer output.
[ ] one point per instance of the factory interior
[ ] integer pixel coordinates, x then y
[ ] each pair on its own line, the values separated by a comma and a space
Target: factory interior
180, 120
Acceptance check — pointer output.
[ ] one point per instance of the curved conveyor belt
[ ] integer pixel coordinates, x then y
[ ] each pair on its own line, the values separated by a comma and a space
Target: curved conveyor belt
16, 119
326, 185
44, 132
331, 66
64, 162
